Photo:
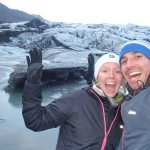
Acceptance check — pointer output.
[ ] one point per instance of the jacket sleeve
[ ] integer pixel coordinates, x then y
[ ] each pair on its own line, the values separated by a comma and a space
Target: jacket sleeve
38, 117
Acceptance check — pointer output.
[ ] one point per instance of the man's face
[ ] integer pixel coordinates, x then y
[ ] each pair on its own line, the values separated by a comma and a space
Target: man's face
135, 68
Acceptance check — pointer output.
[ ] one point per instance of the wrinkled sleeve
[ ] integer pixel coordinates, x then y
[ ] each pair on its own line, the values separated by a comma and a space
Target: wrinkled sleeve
38, 117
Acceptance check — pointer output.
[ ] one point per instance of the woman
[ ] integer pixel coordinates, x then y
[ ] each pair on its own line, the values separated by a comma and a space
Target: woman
89, 118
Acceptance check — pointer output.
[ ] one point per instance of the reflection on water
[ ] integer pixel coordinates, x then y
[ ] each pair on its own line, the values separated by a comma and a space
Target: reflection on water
4, 75
14, 135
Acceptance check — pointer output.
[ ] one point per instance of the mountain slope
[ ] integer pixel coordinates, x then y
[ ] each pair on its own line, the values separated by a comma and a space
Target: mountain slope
12, 15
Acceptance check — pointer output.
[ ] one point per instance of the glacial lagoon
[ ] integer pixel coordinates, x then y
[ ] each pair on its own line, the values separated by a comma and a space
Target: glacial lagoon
14, 135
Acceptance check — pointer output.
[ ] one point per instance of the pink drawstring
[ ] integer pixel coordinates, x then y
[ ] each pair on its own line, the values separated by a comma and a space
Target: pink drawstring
104, 117
104, 143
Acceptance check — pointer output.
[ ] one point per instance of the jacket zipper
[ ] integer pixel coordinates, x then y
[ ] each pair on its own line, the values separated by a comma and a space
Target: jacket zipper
106, 133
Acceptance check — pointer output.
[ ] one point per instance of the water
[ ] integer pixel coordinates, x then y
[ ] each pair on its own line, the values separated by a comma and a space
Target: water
13, 133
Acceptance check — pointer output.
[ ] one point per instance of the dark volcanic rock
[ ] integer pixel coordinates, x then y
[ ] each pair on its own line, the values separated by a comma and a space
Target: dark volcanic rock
6, 34
34, 23
55, 75
49, 77
37, 23
16, 80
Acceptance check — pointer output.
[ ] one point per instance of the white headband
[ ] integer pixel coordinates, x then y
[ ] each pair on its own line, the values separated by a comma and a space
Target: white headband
110, 57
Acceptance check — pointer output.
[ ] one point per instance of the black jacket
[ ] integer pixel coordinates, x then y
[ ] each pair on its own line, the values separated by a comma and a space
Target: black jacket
79, 115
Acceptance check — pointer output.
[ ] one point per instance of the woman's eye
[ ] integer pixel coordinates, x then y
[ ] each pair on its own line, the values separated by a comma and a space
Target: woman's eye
104, 71
118, 72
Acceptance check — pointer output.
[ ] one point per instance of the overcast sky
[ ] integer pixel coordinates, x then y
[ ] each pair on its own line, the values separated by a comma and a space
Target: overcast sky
87, 11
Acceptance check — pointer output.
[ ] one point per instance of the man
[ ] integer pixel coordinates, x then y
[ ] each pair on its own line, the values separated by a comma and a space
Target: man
135, 67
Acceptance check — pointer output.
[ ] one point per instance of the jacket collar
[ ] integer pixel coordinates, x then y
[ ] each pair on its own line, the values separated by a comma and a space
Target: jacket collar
133, 92
112, 101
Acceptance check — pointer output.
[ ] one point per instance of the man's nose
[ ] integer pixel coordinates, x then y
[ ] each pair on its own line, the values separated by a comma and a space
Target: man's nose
130, 63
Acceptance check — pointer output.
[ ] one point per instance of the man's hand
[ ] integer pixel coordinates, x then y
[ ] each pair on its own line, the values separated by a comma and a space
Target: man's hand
88, 74
34, 71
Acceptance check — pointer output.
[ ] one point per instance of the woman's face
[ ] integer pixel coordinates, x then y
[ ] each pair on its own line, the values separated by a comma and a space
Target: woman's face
110, 78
